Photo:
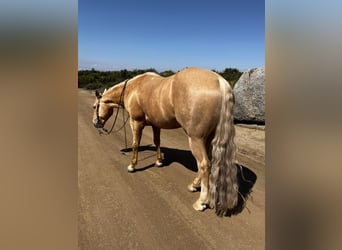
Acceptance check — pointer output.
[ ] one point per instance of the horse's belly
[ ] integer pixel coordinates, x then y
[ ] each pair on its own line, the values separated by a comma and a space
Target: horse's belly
162, 122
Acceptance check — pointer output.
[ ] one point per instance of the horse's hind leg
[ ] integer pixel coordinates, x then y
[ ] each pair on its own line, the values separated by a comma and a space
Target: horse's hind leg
156, 140
137, 128
198, 149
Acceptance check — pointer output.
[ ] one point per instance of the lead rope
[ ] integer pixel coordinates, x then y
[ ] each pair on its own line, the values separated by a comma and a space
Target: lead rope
123, 118
125, 150
105, 131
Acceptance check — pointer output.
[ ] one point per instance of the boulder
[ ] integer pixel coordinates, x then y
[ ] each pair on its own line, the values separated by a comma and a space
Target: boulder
249, 93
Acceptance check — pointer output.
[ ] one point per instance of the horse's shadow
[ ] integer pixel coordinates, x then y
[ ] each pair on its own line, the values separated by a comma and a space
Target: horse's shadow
171, 155
246, 177
246, 180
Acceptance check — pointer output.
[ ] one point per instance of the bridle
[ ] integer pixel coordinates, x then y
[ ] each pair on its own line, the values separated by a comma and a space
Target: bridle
104, 131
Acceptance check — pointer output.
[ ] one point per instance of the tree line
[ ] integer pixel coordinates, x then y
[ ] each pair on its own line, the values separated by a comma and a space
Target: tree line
94, 79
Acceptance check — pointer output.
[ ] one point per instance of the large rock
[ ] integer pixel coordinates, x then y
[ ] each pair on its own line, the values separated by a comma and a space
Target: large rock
249, 93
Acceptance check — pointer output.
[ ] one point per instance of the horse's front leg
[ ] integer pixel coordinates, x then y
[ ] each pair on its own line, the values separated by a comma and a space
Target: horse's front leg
195, 185
137, 128
156, 140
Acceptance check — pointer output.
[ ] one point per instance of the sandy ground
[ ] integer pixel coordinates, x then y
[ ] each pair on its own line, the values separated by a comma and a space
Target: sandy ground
151, 208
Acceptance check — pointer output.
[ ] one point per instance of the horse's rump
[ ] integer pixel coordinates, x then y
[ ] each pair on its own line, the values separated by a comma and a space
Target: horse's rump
197, 101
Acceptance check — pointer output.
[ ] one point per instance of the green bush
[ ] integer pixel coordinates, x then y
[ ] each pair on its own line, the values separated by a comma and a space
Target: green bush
93, 79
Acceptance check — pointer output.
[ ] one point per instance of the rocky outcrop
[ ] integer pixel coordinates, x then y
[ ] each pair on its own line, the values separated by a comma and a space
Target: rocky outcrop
249, 93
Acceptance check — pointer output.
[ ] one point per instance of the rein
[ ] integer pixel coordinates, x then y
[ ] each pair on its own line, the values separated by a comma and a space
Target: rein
121, 103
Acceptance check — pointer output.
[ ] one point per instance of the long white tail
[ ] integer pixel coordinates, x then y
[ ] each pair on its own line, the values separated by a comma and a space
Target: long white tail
223, 187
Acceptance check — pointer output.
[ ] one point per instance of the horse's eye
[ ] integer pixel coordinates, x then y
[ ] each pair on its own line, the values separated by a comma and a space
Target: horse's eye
94, 107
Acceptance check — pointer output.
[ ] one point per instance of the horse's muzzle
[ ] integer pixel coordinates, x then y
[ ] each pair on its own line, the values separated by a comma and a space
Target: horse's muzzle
98, 124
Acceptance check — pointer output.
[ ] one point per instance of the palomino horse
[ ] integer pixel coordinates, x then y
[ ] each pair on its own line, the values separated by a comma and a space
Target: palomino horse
199, 101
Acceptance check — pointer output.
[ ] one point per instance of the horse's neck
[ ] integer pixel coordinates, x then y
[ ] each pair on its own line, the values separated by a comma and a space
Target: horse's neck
114, 93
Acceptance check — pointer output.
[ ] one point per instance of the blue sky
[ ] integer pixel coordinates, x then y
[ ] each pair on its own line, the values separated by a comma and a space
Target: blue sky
140, 34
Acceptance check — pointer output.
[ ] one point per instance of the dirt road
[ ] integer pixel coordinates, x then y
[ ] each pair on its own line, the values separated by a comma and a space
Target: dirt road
151, 208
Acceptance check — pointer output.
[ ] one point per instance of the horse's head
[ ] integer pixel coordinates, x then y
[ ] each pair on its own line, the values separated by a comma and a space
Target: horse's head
103, 109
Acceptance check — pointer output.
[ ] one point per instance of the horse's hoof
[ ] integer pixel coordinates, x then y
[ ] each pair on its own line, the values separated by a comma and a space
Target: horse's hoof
211, 206
192, 189
158, 164
198, 206
130, 169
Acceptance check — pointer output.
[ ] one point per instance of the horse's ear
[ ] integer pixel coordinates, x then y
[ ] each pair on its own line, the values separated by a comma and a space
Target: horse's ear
97, 94
105, 90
